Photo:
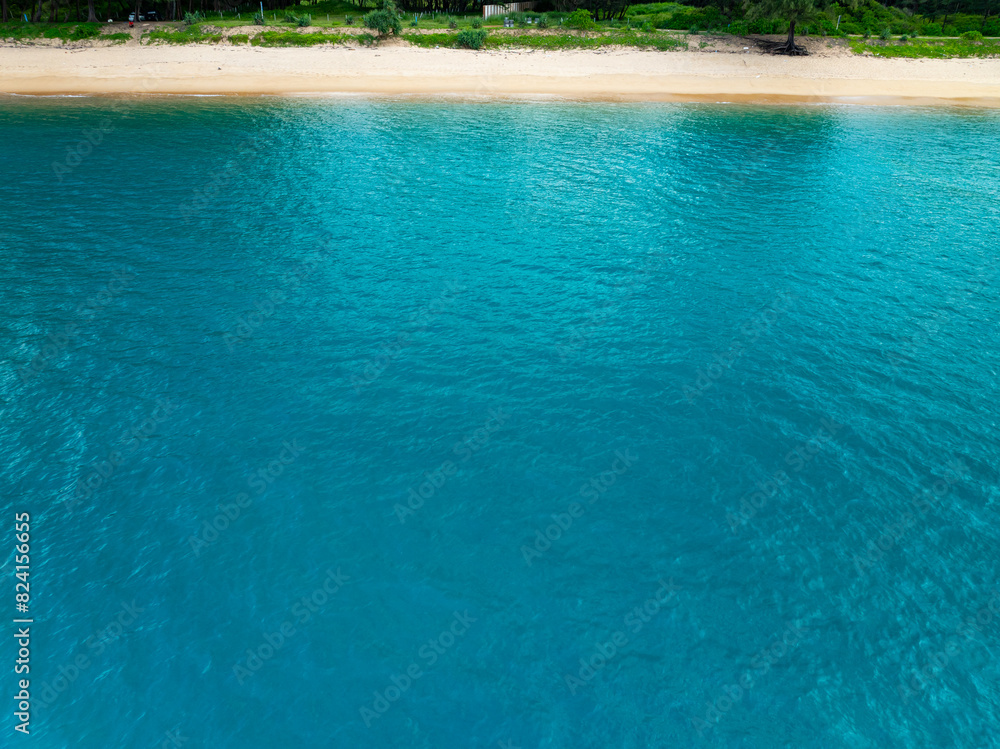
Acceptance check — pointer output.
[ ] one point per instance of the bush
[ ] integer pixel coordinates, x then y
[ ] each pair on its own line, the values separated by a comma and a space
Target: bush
305, 20
739, 28
950, 30
932, 29
239, 39
580, 19
190, 19
290, 18
386, 20
452, 23
477, 23
647, 27
973, 36
414, 23
885, 35
349, 20
85, 31
543, 22
694, 30
472, 39
258, 19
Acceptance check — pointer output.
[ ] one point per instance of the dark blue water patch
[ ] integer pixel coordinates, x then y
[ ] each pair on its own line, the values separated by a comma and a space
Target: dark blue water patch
516, 365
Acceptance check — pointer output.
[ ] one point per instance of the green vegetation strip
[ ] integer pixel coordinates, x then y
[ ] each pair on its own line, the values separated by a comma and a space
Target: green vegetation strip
67, 32
295, 39
554, 41
190, 35
941, 49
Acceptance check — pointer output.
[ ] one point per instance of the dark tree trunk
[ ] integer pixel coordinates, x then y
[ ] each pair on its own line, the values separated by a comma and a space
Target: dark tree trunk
54, 11
38, 13
789, 47
78, 11
91, 15
4, 9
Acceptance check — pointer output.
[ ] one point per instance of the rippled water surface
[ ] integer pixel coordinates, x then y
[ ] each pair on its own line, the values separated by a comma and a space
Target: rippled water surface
359, 423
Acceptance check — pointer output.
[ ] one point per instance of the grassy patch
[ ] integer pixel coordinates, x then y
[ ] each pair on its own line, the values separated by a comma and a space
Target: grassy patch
942, 48
119, 38
294, 39
239, 39
556, 41
67, 32
194, 34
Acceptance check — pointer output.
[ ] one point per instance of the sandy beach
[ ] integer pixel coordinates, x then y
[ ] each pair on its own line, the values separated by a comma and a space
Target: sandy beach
725, 73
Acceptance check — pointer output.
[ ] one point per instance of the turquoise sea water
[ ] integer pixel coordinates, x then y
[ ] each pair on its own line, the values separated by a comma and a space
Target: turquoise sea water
359, 423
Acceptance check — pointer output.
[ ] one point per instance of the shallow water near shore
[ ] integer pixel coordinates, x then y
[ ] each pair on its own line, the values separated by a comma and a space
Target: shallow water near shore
360, 422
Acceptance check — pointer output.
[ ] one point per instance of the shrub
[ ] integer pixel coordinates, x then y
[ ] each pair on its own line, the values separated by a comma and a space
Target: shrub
414, 23
290, 18
543, 22
739, 28
694, 30
85, 31
973, 36
580, 19
950, 30
647, 27
477, 23
190, 19
472, 39
932, 29
885, 35
903, 38
386, 20
349, 20
305, 20
258, 19
452, 23
239, 39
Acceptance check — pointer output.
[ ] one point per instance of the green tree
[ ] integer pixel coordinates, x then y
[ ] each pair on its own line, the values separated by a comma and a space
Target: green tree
794, 11
386, 20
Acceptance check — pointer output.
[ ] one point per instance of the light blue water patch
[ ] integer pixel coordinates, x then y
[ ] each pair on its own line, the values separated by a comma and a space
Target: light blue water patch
411, 423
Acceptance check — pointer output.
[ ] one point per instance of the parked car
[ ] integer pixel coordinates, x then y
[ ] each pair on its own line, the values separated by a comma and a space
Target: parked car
152, 15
